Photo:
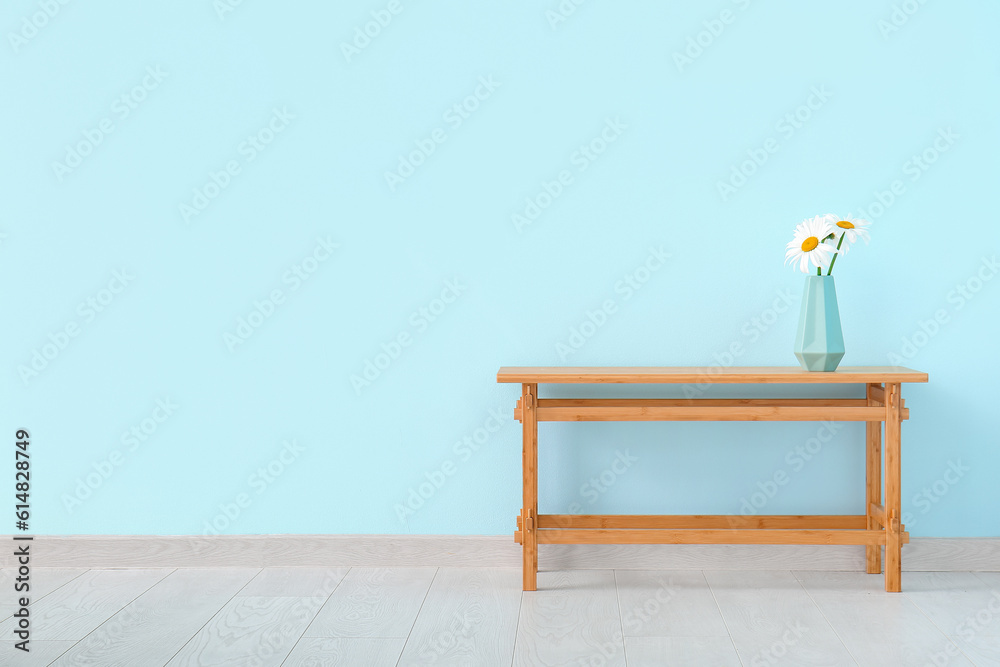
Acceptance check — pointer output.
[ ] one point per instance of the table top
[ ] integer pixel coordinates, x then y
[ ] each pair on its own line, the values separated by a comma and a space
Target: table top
698, 375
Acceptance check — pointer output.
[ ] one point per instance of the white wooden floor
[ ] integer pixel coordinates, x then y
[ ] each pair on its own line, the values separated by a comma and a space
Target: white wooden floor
479, 617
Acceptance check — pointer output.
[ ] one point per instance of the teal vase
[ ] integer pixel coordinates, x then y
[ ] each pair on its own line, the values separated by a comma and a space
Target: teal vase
819, 343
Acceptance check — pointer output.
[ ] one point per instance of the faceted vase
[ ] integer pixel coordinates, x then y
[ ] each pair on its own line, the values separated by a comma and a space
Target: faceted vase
819, 343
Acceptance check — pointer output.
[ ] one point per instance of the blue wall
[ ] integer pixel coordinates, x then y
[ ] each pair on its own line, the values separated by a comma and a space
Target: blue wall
216, 216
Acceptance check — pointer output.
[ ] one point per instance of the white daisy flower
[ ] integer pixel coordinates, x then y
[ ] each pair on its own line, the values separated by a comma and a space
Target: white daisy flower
851, 229
807, 247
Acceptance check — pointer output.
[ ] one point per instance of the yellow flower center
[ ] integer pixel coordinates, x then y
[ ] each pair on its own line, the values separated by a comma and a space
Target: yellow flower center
844, 224
810, 244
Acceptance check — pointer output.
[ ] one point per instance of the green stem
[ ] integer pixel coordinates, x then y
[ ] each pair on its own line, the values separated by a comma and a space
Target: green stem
834, 260
819, 271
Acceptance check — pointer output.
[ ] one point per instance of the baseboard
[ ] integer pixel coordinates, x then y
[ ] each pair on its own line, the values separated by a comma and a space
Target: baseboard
118, 551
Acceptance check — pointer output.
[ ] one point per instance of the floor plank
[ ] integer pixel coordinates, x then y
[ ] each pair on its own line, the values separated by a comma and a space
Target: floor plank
327, 652
773, 621
958, 603
249, 631
296, 582
668, 603
479, 616
374, 602
681, 652
82, 604
468, 618
154, 626
983, 651
991, 579
573, 618
41, 582
880, 629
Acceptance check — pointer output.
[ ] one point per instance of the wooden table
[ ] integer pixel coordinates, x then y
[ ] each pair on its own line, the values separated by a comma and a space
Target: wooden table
878, 527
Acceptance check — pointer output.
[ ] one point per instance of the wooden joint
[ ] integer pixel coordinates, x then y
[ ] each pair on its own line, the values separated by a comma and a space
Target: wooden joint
526, 402
892, 399
877, 513
893, 524
525, 524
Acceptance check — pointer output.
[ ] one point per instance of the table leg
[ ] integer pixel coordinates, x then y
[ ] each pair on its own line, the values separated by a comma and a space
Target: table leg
529, 468
873, 553
893, 545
